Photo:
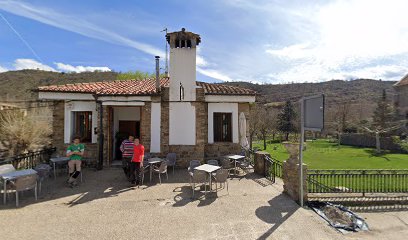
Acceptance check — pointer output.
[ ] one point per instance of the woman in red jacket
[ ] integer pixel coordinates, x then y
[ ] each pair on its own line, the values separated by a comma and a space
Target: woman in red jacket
137, 162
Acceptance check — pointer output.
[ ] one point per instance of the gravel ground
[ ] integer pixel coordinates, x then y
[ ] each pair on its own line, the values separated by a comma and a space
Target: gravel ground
105, 207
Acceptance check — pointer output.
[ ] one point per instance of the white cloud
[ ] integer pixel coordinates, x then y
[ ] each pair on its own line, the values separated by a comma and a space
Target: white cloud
3, 69
353, 35
214, 74
24, 63
69, 68
75, 24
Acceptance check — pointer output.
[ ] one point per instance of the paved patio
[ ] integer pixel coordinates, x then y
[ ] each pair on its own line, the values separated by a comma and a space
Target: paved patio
104, 207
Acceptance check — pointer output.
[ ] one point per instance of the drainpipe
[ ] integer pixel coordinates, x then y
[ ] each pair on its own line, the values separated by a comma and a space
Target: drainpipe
101, 137
100, 134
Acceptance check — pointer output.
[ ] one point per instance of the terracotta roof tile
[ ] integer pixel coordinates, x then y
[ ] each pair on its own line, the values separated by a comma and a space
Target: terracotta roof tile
219, 89
139, 87
403, 81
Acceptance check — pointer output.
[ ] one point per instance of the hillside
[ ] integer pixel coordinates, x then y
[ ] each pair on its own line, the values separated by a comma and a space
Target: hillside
360, 95
355, 100
336, 91
18, 85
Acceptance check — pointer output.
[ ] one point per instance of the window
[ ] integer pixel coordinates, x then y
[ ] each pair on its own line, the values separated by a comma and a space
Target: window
222, 127
82, 126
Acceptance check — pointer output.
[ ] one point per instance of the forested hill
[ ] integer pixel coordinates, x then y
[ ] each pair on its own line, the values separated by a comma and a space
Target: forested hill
18, 85
336, 91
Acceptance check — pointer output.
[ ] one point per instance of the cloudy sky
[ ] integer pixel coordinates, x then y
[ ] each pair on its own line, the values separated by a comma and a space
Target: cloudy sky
265, 41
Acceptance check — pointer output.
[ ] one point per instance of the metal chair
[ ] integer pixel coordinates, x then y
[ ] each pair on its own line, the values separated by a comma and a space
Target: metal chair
226, 164
213, 162
222, 177
162, 169
198, 177
145, 169
193, 164
146, 157
25, 183
6, 168
171, 160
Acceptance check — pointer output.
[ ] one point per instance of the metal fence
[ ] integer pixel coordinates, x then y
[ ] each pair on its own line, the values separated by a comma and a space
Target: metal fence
30, 159
357, 181
273, 169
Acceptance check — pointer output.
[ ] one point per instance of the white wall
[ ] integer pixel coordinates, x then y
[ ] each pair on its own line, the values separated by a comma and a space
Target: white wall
183, 70
224, 108
66, 96
182, 124
155, 128
76, 106
124, 114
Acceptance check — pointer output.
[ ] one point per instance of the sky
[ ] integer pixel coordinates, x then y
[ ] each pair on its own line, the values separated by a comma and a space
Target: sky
262, 41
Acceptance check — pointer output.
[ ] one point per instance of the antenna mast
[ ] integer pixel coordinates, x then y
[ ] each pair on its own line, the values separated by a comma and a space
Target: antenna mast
167, 62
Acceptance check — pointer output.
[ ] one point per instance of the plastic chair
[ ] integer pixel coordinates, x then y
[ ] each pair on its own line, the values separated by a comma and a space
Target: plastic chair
162, 169
25, 183
193, 164
171, 160
222, 177
144, 170
199, 177
226, 164
212, 162
6, 168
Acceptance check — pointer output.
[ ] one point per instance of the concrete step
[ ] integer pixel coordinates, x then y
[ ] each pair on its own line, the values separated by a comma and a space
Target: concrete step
116, 164
365, 201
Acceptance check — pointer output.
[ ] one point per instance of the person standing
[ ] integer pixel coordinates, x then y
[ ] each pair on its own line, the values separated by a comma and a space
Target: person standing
127, 148
137, 162
75, 152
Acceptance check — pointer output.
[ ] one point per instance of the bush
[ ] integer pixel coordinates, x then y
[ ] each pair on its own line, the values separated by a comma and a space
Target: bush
20, 133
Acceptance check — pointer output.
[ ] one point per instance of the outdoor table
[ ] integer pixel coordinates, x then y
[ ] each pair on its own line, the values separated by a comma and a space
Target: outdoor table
153, 161
58, 160
209, 169
236, 158
14, 175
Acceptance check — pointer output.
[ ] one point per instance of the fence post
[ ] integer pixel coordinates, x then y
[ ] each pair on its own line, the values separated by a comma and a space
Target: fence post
291, 184
259, 162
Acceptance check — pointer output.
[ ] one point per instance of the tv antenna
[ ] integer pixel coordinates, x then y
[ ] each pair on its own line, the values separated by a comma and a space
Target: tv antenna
167, 62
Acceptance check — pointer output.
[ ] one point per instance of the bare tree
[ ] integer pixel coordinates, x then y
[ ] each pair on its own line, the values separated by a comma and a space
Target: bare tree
254, 122
379, 131
20, 133
341, 115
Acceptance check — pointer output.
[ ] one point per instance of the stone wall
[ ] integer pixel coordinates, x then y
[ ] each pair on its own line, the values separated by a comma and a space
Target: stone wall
145, 122
217, 150
58, 127
365, 140
402, 100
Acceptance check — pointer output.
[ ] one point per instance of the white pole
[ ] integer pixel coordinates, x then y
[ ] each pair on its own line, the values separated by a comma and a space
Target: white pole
302, 139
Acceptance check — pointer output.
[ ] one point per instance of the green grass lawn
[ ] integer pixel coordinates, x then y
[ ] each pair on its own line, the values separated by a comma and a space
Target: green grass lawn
321, 154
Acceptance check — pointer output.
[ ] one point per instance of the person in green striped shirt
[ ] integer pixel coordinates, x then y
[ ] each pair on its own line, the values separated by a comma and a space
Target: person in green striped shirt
75, 152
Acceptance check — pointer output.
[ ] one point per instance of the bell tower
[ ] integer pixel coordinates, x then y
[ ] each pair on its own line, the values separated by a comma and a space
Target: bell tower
182, 71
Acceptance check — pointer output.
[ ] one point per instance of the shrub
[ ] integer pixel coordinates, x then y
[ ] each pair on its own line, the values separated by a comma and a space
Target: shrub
20, 133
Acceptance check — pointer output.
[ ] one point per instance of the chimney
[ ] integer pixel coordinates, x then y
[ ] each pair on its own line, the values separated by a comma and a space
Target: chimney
157, 74
183, 46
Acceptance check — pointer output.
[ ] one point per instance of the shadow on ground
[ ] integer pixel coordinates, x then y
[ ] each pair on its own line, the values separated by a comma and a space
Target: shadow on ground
279, 210
111, 182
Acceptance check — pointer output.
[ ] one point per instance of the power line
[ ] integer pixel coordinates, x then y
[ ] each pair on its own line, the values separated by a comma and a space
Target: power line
21, 38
